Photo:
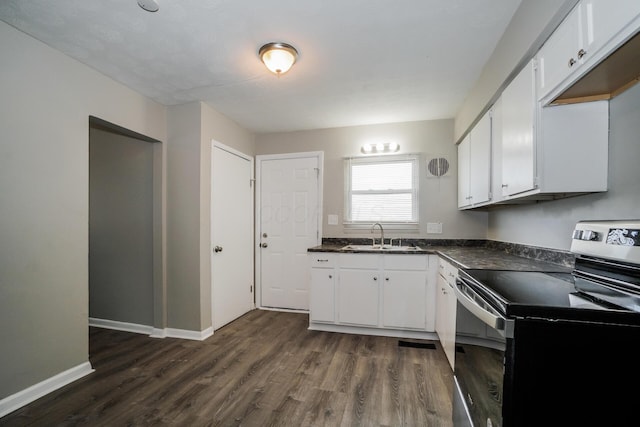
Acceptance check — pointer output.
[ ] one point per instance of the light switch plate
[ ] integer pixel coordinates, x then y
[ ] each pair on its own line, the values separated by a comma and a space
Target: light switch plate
332, 219
434, 227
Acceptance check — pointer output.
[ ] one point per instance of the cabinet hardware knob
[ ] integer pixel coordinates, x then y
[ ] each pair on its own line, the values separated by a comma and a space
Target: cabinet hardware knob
217, 249
571, 62
264, 245
386, 278
375, 279
330, 276
581, 53
505, 185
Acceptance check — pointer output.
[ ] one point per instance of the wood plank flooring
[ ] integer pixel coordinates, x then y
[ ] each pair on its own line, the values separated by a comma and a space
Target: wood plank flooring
264, 369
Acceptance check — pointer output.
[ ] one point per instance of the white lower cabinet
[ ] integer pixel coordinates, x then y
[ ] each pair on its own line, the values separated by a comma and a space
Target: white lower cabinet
404, 296
322, 295
386, 292
358, 297
446, 304
322, 287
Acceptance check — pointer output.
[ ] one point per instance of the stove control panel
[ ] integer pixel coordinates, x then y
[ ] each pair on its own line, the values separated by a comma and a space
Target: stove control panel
586, 235
618, 240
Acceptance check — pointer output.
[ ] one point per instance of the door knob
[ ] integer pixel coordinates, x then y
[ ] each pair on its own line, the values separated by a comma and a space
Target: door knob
217, 249
264, 245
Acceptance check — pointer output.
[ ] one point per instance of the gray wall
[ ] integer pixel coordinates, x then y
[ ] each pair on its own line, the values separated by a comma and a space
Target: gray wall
549, 224
183, 227
46, 102
121, 204
191, 129
530, 26
438, 196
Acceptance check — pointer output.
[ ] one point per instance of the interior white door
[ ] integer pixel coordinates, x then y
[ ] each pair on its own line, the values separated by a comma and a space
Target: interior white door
231, 235
289, 225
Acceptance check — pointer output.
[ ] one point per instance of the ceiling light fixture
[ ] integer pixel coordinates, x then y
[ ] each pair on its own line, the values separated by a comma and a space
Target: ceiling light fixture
149, 5
278, 57
380, 148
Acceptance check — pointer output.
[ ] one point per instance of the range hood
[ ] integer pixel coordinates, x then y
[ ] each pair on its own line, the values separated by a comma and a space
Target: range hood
615, 74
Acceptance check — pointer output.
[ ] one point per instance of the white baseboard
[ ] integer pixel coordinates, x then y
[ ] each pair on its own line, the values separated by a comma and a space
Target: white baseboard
395, 333
36, 391
189, 335
121, 326
158, 333
284, 310
150, 330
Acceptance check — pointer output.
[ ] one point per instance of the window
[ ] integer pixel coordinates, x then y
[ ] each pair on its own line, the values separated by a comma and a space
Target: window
381, 189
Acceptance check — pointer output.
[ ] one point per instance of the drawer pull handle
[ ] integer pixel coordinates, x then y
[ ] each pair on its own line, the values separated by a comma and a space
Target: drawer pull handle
323, 260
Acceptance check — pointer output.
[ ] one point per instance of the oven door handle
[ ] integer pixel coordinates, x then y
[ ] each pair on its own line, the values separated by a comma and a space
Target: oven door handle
486, 314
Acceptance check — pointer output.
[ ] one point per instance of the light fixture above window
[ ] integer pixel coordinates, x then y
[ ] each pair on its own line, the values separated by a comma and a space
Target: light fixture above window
278, 57
380, 148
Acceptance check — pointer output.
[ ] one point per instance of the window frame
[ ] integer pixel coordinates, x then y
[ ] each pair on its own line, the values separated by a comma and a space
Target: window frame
356, 225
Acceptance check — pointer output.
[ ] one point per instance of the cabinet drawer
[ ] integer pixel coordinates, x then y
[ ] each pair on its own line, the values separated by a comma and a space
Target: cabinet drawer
360, 261
448, 271
406, 262
322, 259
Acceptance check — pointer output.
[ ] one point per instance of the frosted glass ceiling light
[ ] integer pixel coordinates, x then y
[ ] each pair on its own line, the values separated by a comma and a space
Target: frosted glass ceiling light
278, 57
149, 5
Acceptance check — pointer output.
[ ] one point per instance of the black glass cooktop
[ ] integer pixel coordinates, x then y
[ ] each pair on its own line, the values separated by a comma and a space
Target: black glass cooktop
528, 293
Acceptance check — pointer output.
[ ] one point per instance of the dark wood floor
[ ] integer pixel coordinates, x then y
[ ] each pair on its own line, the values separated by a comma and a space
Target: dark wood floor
264, 369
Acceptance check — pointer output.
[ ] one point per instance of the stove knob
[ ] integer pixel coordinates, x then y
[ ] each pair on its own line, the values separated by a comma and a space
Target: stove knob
577, 234
589, 235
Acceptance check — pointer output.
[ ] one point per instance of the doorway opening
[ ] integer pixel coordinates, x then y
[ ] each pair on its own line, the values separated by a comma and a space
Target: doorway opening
126, 250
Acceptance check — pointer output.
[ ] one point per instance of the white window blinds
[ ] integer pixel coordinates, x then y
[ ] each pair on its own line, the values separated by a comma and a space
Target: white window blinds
382, 189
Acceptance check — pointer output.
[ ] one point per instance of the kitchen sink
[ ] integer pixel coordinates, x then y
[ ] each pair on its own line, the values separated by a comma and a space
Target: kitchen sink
379, 248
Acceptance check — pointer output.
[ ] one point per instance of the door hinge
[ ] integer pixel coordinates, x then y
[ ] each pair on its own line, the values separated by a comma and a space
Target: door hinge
251, 181
250, 289
317, 172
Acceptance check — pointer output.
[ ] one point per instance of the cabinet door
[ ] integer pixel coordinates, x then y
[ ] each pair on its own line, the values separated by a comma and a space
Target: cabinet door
322, 295
464, 196
518, 115
603, 19
404, 299
358, 297
480, 161
558, 57
446, 318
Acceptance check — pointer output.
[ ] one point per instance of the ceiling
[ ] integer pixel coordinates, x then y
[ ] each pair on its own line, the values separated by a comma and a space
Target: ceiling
361, 61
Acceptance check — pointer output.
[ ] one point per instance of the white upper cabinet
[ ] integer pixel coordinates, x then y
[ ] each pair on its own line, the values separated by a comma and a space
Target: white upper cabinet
604, 20
518, 116
551, 152
562, 52
464, 153
474, 165
591, 31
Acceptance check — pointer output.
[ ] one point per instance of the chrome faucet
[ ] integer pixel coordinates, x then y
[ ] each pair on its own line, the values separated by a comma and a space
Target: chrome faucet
381, 233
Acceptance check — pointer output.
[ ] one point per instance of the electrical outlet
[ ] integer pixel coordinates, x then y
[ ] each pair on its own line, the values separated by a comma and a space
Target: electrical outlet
434, 228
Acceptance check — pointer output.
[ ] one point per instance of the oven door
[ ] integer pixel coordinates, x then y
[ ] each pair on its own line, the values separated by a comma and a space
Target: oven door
481, 338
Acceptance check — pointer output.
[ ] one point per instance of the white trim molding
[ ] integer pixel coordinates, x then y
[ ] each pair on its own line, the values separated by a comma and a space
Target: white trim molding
36, 391
189, 335
121, 326
150, 330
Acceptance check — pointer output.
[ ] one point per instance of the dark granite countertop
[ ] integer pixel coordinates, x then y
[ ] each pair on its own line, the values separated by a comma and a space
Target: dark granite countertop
468, 255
